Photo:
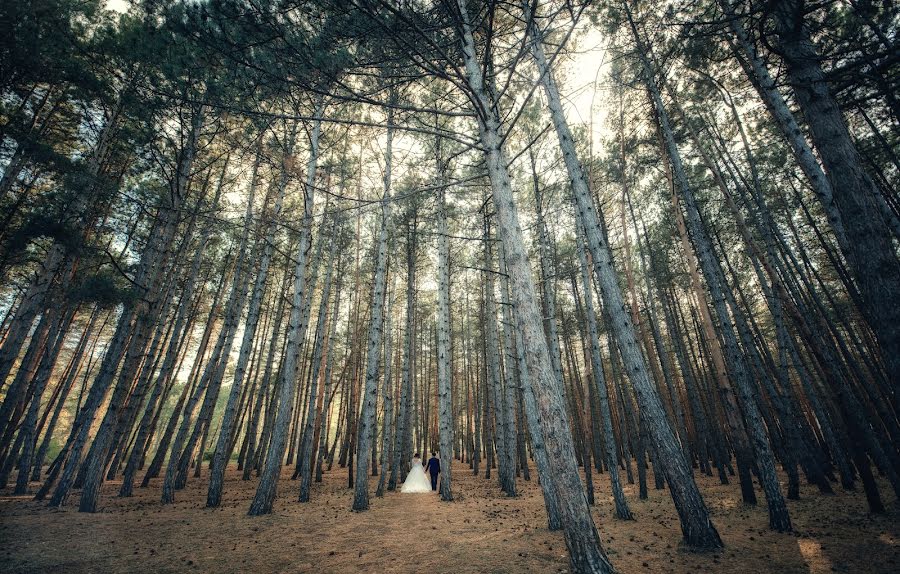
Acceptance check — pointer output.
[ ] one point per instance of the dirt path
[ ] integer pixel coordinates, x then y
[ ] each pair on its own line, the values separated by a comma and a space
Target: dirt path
481, 532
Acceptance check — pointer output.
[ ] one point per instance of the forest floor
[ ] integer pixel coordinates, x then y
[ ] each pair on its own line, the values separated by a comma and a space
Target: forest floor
482, 531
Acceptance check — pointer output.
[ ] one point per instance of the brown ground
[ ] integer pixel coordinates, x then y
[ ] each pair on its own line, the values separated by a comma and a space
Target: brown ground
480, 532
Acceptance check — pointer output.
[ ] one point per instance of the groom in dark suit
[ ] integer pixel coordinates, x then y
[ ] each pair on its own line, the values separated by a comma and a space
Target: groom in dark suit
434, 468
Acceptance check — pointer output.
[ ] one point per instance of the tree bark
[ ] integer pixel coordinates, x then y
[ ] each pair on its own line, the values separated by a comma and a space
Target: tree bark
373, 352
444, 368
222, 452
738, 370
268, 483
582, 539
696, 526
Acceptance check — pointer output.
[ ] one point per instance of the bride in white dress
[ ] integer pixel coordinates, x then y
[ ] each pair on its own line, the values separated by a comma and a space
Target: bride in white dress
416, 481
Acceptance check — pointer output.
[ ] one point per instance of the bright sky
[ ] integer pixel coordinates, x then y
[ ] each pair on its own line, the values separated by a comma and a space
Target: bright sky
581, 81
117, 5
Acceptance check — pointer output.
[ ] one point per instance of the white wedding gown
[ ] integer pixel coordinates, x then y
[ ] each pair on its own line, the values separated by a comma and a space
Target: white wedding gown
416, 481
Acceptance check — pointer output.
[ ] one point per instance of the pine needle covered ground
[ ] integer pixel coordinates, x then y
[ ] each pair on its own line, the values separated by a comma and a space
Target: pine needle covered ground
482, 531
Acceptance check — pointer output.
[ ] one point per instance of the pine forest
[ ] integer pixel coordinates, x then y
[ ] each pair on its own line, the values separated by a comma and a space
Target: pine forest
450, 286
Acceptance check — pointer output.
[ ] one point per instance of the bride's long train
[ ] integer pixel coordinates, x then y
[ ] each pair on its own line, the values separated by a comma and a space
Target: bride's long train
416, 481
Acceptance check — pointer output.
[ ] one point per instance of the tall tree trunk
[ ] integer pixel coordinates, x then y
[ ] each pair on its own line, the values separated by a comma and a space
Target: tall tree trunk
387, 392
506, 400
582, 539
609, 437
505, 466
268, 483
304, 456
696, 526
444, 367
329, 364
265, 388
366, 434
222, 452
738, 369
403, 445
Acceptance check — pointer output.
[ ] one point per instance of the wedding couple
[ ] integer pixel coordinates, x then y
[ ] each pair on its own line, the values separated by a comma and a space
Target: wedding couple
416, 480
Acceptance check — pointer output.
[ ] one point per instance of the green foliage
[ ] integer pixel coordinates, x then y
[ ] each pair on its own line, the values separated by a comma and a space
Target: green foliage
105, 288
40, 40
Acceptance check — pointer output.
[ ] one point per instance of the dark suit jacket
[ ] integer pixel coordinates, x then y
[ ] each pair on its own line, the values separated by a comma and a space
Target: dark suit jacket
433, 466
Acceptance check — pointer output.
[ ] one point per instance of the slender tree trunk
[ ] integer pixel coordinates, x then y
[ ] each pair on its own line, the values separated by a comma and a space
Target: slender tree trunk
622, 510
696, 526
268, 483
265, 385
329, 363
366, 433
387, 392
403, 445
778, 515
444, 367
510, 371
306, 448
582, 539
506, 466
222, 452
